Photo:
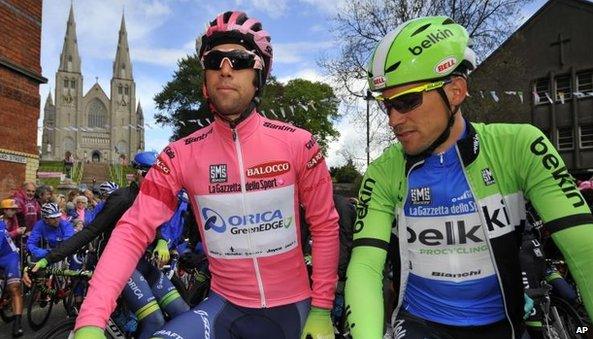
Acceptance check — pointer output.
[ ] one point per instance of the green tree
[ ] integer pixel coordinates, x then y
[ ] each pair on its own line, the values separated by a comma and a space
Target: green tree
181, 102
346, 173
305, 104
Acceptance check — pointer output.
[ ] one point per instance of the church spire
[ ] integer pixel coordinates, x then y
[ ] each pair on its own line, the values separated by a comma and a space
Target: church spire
70, 59
49, 101
139, 112
122, 67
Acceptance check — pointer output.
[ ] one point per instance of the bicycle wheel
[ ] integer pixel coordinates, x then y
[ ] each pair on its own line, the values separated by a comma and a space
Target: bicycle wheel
564, 319
39, 305
75, 295
61, 330
65, 328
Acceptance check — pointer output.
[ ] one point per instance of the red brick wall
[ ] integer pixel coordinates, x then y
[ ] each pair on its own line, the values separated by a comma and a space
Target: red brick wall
20, 33
12, 176
20, 44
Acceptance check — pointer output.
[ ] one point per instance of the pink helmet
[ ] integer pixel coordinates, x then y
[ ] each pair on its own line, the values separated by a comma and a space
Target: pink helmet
236, 27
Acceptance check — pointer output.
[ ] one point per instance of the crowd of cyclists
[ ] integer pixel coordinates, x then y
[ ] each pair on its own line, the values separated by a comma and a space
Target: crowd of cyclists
460, 230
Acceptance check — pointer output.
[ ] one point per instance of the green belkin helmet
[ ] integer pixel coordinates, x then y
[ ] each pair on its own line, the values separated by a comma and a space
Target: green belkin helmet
420, 49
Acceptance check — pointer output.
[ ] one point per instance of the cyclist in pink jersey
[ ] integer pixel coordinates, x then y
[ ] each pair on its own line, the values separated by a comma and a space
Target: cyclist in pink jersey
246, 176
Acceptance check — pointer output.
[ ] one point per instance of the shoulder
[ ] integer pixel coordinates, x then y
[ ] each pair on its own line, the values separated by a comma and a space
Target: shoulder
499, 130
196, 137
284, 130
391, 158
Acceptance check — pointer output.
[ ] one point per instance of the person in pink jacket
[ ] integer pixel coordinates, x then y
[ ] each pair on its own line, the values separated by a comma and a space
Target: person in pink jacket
247, 177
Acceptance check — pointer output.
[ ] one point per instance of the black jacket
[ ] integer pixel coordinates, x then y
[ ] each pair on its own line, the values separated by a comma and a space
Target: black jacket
116, 205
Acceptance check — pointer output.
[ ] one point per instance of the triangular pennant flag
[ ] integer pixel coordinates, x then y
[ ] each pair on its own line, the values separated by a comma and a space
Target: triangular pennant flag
263, 113
291, 109
510, 92
494, 96
520, 94
482, 94
561, 95
283, 113
304, 107
312, 105
273, 113
578, 94
208, 121
181, 122
200, 123
549, 99
147, 125
536, 97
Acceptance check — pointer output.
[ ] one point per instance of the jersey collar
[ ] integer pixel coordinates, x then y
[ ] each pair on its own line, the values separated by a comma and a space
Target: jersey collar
244, 129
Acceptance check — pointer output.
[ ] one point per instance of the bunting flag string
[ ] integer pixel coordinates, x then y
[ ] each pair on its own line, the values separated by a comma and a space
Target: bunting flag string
290, 109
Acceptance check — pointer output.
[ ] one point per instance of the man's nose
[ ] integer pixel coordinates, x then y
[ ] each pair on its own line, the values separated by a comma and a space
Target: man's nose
395, 118
226, 67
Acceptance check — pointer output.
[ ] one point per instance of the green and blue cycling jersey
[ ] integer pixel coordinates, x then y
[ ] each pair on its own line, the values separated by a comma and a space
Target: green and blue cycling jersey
452, 277
503, 165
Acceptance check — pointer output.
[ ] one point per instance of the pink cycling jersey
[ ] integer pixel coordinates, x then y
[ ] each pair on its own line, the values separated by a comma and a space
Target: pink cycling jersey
245, 185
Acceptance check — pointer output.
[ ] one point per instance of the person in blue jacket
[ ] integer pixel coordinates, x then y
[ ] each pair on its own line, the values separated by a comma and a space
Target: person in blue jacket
48, 232
11, 269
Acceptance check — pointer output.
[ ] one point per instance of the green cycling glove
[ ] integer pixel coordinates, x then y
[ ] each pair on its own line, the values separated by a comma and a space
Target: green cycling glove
89, 332
318, 325
41, 264
161, 252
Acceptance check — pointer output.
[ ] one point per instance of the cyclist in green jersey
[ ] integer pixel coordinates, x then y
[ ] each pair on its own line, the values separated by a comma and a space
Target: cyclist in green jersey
455, 192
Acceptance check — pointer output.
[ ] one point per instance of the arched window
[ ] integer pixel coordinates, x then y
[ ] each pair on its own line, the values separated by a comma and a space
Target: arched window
97, 114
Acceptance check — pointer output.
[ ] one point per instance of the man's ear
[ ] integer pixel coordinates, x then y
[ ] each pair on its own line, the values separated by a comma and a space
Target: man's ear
457, 90
204, 91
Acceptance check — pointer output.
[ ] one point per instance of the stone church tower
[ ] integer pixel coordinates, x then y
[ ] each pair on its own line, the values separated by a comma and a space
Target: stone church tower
92, 126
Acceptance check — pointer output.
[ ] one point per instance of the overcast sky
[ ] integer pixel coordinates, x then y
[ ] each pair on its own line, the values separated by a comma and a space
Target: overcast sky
160, 32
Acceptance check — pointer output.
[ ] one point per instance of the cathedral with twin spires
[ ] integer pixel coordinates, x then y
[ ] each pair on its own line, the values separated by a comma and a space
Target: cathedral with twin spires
93, 126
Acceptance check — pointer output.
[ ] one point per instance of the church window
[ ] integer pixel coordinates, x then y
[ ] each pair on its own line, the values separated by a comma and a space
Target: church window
585, 82
127, 90
97, 115
563, 87
65, 83
72, 84
565, 139
586, 136
119, 89
542, 87
69, 63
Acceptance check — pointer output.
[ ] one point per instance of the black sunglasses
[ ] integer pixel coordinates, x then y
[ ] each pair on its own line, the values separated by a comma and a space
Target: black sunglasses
410, 99
405, 103
238, 58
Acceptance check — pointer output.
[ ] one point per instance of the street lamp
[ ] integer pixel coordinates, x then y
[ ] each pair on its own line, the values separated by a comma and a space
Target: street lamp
368, 98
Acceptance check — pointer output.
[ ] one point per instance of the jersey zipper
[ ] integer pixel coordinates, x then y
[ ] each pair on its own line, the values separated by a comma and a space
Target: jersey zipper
239, 153
487, 241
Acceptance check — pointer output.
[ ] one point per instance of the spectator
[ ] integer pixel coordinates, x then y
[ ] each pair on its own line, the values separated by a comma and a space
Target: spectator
8, 217
44, 194
92, 202
83, 211
29, 209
